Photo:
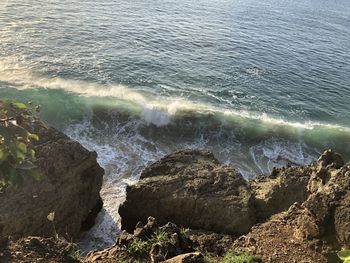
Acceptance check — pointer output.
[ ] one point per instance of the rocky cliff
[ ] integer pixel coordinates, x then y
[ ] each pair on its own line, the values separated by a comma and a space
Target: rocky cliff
69, 186
296, 214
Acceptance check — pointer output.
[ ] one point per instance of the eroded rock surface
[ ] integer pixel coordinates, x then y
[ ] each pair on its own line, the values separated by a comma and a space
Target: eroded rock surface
278, 191
70, 183
192, 189
314, 230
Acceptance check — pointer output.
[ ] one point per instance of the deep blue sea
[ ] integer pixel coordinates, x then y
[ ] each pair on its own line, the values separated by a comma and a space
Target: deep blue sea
261, 83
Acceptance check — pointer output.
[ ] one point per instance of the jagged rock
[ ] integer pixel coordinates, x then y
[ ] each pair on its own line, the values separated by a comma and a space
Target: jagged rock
149, 243
277, 192
192, 189
317, 228
69, 186
342, 221
331, 159
194, 257
274, 241
214, 243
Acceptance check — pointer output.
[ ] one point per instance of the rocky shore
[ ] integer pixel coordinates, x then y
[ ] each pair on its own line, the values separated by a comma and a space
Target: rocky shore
186, 207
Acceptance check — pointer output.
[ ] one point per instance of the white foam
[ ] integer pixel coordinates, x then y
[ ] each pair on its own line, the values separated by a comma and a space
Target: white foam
154, 110
278, 153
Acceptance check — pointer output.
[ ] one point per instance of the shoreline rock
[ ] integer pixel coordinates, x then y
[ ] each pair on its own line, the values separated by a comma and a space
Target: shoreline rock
296, 214
191, 188
69, 186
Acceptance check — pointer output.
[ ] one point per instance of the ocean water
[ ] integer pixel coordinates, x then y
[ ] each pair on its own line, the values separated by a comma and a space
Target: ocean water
261, 83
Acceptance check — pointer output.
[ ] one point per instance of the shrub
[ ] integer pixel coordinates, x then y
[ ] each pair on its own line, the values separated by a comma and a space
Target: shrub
17, 155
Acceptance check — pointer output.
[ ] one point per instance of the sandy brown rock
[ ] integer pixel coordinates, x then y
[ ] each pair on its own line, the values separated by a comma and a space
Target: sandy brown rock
277, 192
192, 189
69, 186
274, 241
342, 221
194, 257
315, 230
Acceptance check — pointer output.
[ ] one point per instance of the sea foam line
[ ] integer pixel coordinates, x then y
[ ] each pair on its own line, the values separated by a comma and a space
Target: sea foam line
154, 110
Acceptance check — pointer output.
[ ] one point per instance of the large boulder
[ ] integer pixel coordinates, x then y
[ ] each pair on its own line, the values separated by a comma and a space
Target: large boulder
192, 189
69, 186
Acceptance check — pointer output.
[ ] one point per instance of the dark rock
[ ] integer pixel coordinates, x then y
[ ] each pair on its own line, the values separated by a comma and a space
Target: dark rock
330, 158
38, 249
70, 183
210, 242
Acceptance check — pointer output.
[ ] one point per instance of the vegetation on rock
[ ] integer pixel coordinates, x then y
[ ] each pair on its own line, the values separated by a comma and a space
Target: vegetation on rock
17, 156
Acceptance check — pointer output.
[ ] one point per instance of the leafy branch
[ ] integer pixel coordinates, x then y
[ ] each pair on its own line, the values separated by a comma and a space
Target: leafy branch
17, 155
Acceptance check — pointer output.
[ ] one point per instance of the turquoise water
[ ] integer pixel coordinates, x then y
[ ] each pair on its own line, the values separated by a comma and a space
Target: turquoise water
259, 82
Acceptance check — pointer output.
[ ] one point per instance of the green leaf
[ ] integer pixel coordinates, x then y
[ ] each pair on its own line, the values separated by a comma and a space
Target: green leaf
20, 155
19, 105
344, 255
22, 147
32, 153
33, 136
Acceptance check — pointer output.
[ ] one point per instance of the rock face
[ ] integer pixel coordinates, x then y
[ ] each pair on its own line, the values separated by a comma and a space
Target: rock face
304, 211
277, 192
69, 186
191, 189
313, 230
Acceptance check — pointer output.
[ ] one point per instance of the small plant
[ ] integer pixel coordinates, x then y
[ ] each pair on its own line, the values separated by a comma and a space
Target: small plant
51, 218
159, 238
139, 246
144, 246
344, 255
75, 251
245, 257
17, 155
184, 231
